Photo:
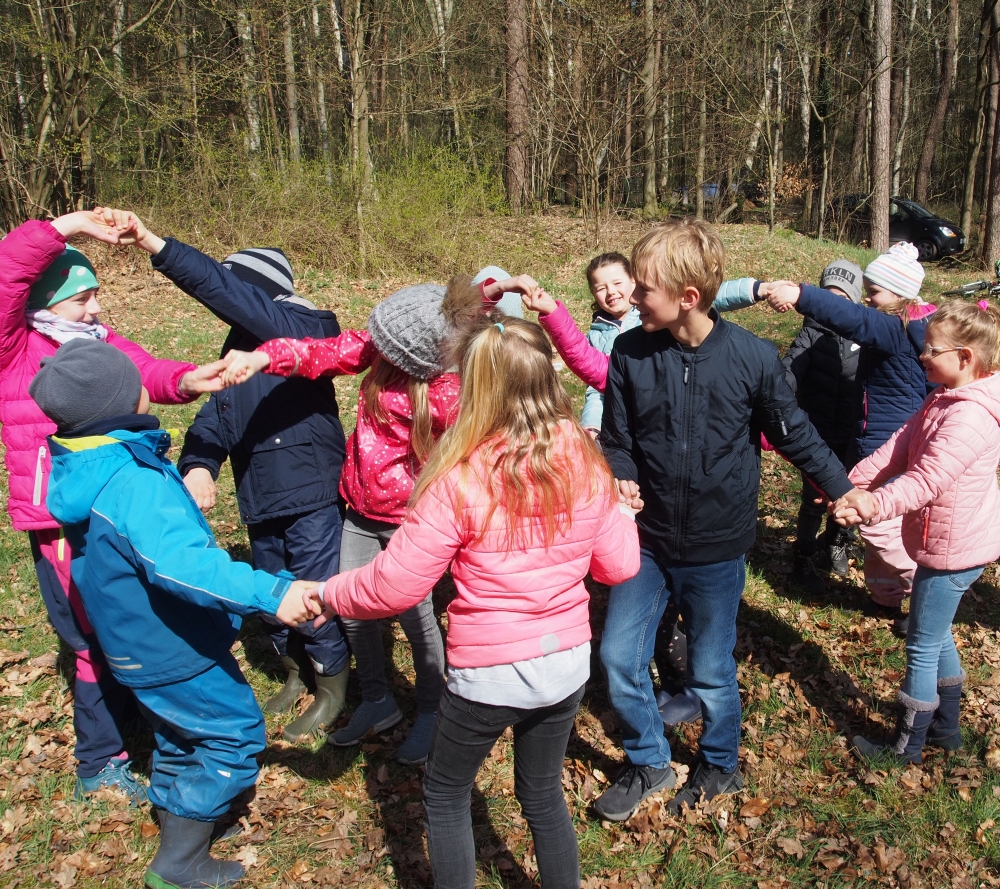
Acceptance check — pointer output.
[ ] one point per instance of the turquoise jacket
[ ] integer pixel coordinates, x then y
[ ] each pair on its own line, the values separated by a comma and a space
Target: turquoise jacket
163, 599
733, 295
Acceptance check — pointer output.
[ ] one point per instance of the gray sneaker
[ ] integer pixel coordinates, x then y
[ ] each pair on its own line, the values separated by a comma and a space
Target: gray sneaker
367, 718
622, 798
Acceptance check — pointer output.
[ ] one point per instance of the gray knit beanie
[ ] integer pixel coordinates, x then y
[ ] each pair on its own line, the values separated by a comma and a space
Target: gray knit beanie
845, 275
86, 380
408, 329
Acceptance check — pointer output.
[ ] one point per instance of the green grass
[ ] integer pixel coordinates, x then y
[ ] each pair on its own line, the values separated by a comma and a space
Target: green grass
812, 672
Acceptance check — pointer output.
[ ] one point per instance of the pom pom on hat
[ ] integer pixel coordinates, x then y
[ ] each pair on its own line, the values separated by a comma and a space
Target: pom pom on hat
69, 273
898, 270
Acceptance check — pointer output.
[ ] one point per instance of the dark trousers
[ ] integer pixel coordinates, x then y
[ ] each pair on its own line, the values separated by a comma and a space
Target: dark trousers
811, 513
99, 701
464, 734
308, 546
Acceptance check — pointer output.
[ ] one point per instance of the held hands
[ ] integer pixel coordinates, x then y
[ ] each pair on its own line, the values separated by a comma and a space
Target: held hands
766, 288
628, 493
539, 301
520, 284
783, 295
207, 378
856, 507
243, 365
131, 229
298, 606
319, 606
87, 222
201, 486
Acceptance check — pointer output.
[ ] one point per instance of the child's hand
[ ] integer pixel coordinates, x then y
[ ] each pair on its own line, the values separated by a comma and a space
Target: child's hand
539, 301
207, 378
86, 222
783, 296
520, 284
592, 431
322, 611
766, 288
628, 493
131, 228
243, 365
854, 508
295, 607
201, 486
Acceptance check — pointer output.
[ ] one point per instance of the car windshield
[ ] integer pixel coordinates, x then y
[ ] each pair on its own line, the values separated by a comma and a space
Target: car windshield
917, 210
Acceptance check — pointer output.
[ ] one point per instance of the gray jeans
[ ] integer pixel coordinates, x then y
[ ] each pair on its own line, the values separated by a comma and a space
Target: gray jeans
363, 540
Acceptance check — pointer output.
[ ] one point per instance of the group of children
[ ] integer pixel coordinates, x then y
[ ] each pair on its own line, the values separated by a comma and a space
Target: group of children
467, 457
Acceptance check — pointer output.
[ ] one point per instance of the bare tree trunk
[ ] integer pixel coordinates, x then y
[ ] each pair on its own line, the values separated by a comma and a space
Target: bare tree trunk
904, 101
518, 123
991, 236
882, 67
324, 124
699, 173
248, 80
984, 96
649, 92
856, 163
291, 91
936, 123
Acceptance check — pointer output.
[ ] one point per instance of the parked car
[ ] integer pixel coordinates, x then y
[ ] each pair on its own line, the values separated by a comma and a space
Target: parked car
933, 236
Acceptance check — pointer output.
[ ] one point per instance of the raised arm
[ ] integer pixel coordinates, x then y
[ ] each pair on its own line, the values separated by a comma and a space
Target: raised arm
864, 325
588, 363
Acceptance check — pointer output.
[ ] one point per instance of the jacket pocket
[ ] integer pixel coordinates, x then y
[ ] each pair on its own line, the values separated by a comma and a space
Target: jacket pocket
36, 496
282, 463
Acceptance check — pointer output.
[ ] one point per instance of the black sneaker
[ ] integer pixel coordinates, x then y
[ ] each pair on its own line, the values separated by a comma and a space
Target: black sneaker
622, 798
840, 557
807, 575
705, 783
871, 608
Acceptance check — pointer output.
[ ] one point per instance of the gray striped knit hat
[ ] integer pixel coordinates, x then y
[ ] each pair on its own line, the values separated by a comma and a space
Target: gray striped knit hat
268, 269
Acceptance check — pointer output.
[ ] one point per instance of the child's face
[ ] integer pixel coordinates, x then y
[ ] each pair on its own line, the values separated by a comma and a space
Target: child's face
658, 309
612, 287
82, 307
878, 296
945, 363
143, 406
838, 292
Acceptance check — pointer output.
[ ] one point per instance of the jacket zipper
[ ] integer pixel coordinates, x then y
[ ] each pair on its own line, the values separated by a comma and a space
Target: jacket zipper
927, 525
36, 498
683, 475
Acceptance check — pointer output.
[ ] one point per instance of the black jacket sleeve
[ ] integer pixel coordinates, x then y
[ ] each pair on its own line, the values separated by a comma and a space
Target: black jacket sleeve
787, 427
204, 443
796, 360
617, 437
233, 301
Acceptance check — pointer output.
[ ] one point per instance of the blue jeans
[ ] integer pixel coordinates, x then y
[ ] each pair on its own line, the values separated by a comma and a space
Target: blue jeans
931, 654
464, 733
208, 732
708, 594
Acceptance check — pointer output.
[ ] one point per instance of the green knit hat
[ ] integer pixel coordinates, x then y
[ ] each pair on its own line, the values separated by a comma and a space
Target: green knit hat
70, 273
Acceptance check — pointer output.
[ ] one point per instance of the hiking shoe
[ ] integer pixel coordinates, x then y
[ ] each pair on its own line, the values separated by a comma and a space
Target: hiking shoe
807, 575
116, 775
369, 717
840, 558
622, 798
706, 782
418, 742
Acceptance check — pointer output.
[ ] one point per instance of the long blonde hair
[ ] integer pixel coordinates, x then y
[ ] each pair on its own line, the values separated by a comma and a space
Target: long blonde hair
515, 415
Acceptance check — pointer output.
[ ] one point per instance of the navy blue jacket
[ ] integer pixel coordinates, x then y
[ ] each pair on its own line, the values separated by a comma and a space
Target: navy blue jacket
283, 436
164, 600
820, 366
891, 380
685, 425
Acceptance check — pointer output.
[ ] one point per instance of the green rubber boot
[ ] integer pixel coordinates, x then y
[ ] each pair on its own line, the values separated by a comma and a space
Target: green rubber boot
294, 688
324, 710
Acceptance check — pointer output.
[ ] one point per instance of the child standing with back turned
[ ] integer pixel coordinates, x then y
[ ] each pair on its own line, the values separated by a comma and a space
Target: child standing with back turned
686, 400
939, 472
519, 503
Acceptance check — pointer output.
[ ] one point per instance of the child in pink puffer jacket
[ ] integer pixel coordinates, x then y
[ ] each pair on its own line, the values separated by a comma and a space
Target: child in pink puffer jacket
48, 295
517, 501
939, 472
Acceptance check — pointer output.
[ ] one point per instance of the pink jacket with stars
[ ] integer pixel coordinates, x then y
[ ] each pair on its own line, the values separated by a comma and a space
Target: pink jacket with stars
380, 467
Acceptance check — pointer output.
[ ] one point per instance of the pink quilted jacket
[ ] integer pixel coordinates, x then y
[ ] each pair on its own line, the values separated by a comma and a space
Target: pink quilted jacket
510, 605
945, 457
588, 363
24, 254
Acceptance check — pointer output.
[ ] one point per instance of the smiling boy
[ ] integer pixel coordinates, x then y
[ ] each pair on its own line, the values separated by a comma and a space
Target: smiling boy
687, 397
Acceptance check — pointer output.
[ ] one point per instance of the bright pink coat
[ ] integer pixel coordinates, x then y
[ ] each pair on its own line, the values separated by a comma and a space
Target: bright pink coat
24, 254
379, 469
588, 363
946, 457
510, 605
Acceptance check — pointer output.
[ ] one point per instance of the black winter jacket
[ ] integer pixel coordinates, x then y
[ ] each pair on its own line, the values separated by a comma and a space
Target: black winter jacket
820, 366
283, 435
684, 424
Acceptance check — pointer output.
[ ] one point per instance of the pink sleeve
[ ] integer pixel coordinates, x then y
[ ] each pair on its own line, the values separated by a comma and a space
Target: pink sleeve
160, 376
24, 254
407, 569
349, 353
955, 445
442, 395
616, 549
588, 363
887, 462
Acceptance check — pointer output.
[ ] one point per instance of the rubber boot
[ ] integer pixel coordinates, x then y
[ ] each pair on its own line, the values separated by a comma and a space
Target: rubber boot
331, 692
293, 688
683, 707
183, 862
913, 719
944, 731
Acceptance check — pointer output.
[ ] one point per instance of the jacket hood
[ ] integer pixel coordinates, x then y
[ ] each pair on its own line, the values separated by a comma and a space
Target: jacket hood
603, 321
83, 466
984, 392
